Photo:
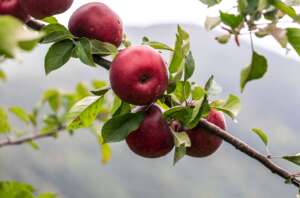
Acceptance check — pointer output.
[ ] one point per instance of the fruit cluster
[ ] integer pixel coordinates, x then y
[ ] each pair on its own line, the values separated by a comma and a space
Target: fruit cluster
138, 76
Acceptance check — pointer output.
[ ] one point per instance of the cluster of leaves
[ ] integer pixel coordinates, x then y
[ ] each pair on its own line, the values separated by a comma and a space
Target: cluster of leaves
261, 18
12, 189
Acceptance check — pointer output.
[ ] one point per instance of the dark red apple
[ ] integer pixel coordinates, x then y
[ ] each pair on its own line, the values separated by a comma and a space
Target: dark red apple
97, 21
203, 142
138, 75
44, 8
153, 138
13, 8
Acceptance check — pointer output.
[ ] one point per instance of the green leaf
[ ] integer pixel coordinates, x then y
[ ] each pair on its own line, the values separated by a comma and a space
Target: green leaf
118, 128
197, 93
181, 138
156, 44
182, 47
212, 88
189, 66
54, 28
183, 90
2, 75
50, 20
97, 84
47, 195
293, 35
231, 106
58, 55
180, 113
83, 50
293, 158
201, 108
14, 37
84, 112
82, 91
212, 22
262, 135
52, 96
103, 48
4, 123
231, 20
123, 108
210, 3
105, 148
179, 153
255, 70
57, 36
33, 145
285, 8
223, 39
12, 189
20, 113
100, 91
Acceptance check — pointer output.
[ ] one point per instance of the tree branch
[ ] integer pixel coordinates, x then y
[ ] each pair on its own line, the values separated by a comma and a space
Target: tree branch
37, 25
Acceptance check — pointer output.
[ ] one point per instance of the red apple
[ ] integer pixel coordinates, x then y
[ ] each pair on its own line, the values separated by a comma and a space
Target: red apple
97, 21
153, 138
138, 75
203, 142
13, 8
44, 8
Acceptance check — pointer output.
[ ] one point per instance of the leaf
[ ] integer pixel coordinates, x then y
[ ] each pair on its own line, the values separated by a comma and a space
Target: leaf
180, 113
293, 158
2, 75
181, 138
183, 90
280, 35
14, 37
82, 91
20, 113
47, 195
118, 128
197, 93
97, 84
123, 108
84, 112
83, 50
105, 148
201, 108
231, 20
262, 135
50, 20
212, 87
33, 145
231, 106
285, 8
189, 66
103, 48
210, 3
58, 55
52, 96
100, 91
12, 189
179, 153
56, 37
181, 49
293, 35
4, 123
156, 44
211, 22
255, 70
223, 39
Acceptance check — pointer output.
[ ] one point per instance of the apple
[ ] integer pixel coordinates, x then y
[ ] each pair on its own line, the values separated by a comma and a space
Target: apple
44, 8
97, 21
13, 8
138, 75
203, 142
153, 138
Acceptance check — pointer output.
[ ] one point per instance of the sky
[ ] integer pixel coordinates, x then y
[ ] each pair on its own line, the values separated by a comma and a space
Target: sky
151, 12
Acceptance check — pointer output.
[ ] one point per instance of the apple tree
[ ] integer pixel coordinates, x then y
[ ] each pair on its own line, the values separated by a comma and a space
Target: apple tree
149, 102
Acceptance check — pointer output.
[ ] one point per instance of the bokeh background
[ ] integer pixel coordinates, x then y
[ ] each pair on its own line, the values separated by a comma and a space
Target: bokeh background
71, 166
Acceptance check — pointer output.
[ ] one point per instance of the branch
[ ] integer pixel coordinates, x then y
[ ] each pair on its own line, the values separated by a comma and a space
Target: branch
36, 25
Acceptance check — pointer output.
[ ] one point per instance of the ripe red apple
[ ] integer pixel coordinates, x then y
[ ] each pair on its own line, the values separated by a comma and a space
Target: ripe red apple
97, 21
153, 138
203, 142
13, 8
44, 8
138, 75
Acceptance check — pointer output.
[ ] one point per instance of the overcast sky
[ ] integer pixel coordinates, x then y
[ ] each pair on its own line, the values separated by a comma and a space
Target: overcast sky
149, 12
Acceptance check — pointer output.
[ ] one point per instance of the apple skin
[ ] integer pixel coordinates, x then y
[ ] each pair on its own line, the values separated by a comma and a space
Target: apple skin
13, 8
44, 8
153, 138
97, 21
203, 142
138, 75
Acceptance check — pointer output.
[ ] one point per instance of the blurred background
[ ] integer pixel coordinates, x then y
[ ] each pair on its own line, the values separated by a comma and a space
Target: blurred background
71, 166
